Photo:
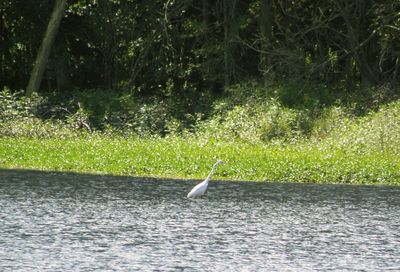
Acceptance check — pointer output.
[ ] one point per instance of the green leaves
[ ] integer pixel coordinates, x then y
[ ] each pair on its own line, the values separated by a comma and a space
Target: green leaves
257, 136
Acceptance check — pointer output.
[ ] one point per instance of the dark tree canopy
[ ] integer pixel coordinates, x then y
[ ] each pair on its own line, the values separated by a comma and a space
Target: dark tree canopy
175, 47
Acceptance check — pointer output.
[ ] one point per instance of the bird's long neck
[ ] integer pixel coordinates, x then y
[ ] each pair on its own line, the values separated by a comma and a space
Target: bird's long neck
210, 174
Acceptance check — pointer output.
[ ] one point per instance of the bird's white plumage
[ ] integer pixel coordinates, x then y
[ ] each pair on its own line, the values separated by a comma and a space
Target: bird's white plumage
201, 188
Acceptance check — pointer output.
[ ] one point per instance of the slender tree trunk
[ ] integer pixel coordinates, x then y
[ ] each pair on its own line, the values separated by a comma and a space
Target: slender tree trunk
45, 48
349, 74
356, 21
205, 13
227, 68
395, 75
62, 71
266, 19
230, 30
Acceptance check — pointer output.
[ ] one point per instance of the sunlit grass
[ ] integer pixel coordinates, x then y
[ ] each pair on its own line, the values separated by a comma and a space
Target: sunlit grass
192, 158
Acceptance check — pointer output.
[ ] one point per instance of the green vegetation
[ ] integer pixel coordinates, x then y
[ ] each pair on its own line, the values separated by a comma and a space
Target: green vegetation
183, 48
258, 137
282, 90
191, 158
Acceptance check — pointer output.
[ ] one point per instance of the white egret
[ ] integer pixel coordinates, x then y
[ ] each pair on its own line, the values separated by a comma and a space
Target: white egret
201, 188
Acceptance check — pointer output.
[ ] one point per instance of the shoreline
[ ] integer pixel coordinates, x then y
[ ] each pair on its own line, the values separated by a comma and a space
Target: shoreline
177, 179
178, 158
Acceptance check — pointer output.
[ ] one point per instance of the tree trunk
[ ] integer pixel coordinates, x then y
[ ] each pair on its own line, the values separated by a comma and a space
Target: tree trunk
205, 13
230, 30
45, 48
358, 39
227, 67
266, 20
62, 75
349, 74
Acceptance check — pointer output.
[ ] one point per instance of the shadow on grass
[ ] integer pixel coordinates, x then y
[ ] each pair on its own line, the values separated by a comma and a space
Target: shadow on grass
32, 174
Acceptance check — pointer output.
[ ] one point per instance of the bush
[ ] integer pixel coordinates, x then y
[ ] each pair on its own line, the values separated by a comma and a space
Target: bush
15, 106
248, 114
256, 121
377, 131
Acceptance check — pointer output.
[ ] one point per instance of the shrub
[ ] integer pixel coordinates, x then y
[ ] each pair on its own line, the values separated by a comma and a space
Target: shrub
16, 106
255, 121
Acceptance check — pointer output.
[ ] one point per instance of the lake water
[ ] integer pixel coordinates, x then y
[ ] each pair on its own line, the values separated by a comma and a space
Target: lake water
70, 222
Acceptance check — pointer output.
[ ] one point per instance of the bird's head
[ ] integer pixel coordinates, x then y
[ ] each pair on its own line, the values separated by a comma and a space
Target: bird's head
218, 162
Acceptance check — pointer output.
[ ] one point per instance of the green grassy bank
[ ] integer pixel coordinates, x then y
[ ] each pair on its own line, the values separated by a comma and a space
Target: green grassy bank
262, 134
192, 158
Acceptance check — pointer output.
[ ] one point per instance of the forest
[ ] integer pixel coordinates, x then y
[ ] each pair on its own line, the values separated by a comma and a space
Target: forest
299, 75
183, 47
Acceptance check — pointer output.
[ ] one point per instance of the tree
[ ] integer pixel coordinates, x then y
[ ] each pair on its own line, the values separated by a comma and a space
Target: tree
188, 48
45, 48
230, 32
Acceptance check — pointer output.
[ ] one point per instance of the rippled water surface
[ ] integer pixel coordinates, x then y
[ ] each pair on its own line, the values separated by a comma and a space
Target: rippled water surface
68, 222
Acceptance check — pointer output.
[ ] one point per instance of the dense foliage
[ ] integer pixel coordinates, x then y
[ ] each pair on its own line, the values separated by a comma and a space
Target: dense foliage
259, 137
185, 49
282, 90
256, 119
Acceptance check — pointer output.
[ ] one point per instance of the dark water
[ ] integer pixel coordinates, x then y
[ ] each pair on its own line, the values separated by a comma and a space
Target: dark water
67, 222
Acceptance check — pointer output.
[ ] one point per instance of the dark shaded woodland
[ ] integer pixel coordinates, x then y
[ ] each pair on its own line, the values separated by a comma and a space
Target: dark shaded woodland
180, 47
